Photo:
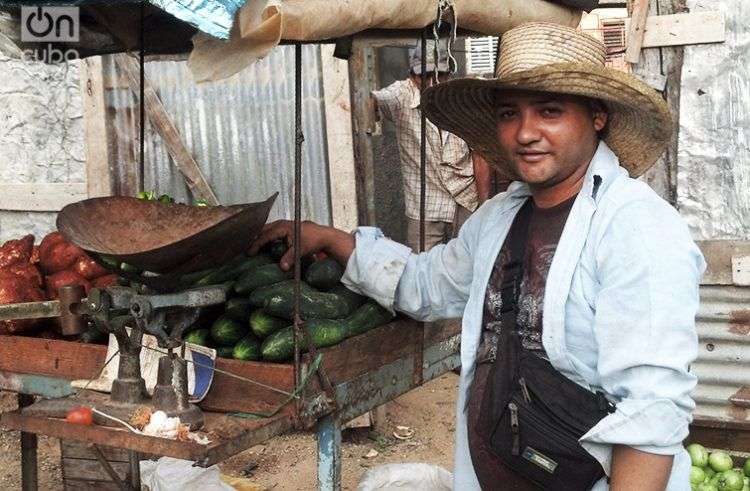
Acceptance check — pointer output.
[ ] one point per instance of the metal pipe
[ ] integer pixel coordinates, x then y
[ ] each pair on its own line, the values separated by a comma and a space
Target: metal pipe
423, 147
142, 111
299, 138
29, 479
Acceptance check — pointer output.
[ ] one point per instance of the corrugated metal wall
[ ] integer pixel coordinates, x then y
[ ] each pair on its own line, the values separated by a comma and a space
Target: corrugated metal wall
723, 364
240, 131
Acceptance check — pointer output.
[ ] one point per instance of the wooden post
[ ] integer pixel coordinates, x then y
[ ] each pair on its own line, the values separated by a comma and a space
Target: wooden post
666, 62
639, 12
163, 124
342, 174
98, 175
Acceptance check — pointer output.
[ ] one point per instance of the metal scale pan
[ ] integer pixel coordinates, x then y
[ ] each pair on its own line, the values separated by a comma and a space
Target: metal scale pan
168, 239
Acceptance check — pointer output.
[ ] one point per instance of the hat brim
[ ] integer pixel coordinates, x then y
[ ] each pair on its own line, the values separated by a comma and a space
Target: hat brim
639, 123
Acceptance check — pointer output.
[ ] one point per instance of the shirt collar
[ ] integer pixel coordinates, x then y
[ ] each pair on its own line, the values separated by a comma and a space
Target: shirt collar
604, 167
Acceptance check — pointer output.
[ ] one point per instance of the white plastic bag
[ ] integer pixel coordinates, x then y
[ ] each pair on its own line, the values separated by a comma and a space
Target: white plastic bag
168, 474
416, 477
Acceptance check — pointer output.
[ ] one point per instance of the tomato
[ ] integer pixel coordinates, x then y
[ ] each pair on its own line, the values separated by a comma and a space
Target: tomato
80, 416
698, 454
697, 475
720, 461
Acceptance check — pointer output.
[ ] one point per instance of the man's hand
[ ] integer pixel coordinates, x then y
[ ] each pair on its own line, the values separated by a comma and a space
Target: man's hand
633, 469
313, 238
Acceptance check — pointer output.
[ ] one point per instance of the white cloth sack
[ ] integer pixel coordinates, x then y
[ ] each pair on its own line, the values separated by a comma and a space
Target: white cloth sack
416, 477
168, 474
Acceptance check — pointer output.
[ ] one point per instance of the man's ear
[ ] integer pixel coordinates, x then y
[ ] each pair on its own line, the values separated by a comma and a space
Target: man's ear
600, 120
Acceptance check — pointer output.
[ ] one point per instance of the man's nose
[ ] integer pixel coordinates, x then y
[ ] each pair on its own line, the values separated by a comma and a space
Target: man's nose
528, 129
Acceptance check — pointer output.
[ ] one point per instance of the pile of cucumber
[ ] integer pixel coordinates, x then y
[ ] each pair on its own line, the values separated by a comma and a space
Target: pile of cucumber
256, 321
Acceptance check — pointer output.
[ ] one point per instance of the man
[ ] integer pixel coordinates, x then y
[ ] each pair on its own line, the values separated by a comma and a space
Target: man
455, 182
610, 273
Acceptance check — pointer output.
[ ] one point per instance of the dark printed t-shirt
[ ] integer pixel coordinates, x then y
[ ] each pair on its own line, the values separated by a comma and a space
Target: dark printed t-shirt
545, 229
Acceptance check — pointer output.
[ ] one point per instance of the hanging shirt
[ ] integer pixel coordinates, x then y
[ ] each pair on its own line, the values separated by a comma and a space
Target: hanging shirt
449, 168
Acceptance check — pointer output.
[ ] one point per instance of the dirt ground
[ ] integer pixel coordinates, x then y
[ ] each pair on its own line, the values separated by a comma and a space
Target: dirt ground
289, 462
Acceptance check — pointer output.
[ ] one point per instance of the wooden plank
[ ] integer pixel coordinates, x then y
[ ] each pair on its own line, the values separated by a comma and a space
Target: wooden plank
54, 358
231, 394
712, 434
98, 175
40, 196
78, 450
166, 128
91, 470
636, 30
718, 255
78, 485
684, 28
229, 435
336, 94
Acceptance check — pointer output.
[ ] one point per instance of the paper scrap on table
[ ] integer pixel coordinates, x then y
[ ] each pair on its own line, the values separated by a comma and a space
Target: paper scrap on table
200, 375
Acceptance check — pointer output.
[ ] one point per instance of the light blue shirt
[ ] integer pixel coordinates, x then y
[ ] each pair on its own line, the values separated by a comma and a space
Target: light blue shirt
619, 307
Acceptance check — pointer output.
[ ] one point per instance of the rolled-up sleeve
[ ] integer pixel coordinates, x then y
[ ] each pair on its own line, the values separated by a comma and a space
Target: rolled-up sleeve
649, 270
428, 286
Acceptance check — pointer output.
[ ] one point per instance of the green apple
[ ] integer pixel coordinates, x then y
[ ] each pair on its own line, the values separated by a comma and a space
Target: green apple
698, 454
746, 468
720, 461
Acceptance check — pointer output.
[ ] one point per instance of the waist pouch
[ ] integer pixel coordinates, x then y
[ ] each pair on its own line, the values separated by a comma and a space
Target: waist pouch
537, 417
536, 414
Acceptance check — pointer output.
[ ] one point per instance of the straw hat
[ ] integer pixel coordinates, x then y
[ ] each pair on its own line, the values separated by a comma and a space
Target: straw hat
546, 57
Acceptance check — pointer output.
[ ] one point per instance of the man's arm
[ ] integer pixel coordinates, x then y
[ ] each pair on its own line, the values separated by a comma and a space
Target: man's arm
633, 469
482, 177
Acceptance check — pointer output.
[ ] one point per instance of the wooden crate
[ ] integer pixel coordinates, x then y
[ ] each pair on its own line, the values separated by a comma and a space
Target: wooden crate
82, 471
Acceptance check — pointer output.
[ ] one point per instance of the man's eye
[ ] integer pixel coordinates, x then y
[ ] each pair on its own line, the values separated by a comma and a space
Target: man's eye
506, 114
551, 111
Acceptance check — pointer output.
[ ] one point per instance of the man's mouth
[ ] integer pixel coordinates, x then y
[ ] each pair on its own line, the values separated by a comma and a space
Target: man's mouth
531, 156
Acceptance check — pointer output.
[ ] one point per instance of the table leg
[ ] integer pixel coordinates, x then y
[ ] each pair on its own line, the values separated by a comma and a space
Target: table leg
135, 470
329, 453
29, 481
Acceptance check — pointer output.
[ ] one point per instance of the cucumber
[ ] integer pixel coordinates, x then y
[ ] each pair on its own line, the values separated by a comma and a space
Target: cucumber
263, 325
247, 349
324, 274
225, 351
189, 279
199, 336
276, 249
279, 346
313, 305
258, 296
235, 268
238, 309
353, 299
227, 332
366, 317
261, 276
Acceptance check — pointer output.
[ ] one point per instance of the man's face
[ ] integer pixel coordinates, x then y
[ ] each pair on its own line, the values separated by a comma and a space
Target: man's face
547, 137
442, 77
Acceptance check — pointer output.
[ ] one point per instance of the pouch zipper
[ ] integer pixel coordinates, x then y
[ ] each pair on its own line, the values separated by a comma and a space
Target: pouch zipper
543, 427
514, 429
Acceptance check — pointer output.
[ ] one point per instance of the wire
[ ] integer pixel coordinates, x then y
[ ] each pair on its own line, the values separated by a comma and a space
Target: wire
228, 374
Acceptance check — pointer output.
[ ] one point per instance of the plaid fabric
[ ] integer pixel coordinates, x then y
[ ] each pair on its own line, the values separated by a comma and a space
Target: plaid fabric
450, 173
